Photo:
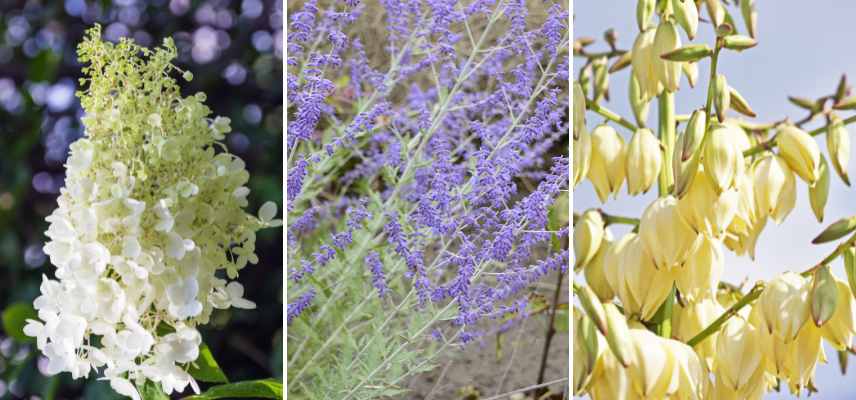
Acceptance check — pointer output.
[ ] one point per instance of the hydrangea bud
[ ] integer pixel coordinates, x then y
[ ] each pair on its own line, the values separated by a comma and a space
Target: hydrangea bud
641, 287
700, 275
643, 161
800, 151
818, 194
594, 272
783, 306
775, 187
644, 62
705, 210
588, 233
606, 166
723, 158
689, 320
739, 361
686, 13
666, 40
838, 145
668, 251
841, 327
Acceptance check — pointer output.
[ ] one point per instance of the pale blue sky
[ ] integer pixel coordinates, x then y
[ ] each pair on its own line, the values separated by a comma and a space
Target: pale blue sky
804, 47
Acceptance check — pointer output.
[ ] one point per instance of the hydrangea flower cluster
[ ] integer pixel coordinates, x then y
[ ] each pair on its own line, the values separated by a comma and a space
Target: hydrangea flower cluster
151, 211
425, 156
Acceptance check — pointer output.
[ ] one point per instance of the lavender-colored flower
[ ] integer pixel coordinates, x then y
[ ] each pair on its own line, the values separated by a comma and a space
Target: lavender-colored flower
298, 306
375, 266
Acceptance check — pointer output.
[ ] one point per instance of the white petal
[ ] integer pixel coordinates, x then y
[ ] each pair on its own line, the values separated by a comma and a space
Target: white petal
268, 211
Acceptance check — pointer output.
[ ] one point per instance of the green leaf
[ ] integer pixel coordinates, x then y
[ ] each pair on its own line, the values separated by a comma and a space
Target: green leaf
562, 322
152, 391
259, 389
14, 319
205, 368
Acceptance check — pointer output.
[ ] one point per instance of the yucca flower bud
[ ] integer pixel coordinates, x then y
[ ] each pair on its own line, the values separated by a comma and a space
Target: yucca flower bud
638, 104
685, 162
800, 151
643, 161
818, 194
823, 295
594, 272
644, 12
690, 372
588, 233
586, 349
775, 188
689, 320
686, 13
750, 16
739, 361
582, 155
705, 210
721, 96
601, 79
690, 70
666, 40
838, 145
606, 166
640, 286
723, 159
841, 327
579, 109
783, 306
716, 12
618, 334
700, 275
652, 372
644, 62
670, 250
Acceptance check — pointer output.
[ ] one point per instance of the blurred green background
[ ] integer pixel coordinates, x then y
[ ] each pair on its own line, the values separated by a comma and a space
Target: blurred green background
234, 49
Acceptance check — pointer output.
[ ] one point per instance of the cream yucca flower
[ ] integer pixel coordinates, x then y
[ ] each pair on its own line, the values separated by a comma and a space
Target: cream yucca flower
666, 39
838, 145
783, 307
644, 62
739, 361
705, 210
839, 330
594, 272
652, 370
690, 373
672, 249
636, 281
588, 233
150, 212
689, 320
775, 187
723, 156
794, 360
606, 165
699, 277
587, 346
800, 151
582, 140
643, 161
610, 380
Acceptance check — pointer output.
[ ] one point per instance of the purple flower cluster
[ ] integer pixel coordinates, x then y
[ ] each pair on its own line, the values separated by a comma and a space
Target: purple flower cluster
442, 145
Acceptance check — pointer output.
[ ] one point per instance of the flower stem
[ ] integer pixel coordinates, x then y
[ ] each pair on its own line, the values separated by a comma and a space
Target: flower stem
666, 105
551, 328
610, 115
832, 256
715, 325
770, 143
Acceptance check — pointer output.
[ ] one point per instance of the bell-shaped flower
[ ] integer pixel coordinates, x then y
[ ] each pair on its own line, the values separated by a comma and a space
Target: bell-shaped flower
644, 63
644, 159
739, 361
775, 188
699, 277
839, 330
705, 209
689, 320
668, 250
588, 234
642, 287
800, 151
667, 39
723, 157
606, 166
783, 307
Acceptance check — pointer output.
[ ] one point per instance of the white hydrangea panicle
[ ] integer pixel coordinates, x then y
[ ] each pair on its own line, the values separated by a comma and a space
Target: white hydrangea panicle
151, 211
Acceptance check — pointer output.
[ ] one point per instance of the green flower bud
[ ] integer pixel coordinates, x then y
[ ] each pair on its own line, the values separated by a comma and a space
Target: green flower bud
638, 104
819, 193
722, 96
601, 79
836, 231
824, 296
838, 145
644, 12
686, 13
715, 11
693, 52
738, 42
750, 16
617, 334
740, 104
